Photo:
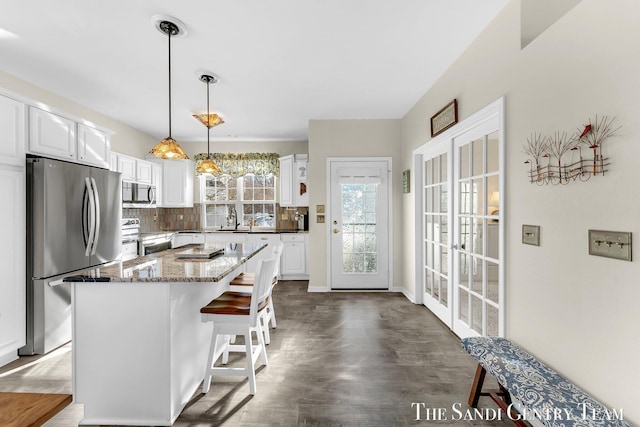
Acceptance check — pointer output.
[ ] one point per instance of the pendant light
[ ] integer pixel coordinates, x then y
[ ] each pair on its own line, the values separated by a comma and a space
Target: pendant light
169, 148
207, 165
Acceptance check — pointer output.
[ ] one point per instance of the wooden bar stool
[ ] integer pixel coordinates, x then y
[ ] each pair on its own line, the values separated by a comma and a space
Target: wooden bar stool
244, 283
237, 313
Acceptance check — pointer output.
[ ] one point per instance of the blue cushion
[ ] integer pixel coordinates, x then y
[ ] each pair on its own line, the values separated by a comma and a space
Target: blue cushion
539, 388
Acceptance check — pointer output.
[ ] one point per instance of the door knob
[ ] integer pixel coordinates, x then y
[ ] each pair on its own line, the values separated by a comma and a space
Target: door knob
336, 231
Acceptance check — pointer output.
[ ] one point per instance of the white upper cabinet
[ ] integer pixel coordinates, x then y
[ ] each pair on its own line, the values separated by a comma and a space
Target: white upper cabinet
94, 146
177, 183
12, 131
286, 179
144, 172
294, 180
113, 162
51, 134
156, 180
127, 166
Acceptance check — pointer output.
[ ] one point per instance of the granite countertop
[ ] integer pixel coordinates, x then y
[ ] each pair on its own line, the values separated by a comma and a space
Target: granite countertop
165, 267
242, 230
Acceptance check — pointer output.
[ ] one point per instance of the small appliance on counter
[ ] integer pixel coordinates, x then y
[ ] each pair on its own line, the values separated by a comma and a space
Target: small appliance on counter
302, 221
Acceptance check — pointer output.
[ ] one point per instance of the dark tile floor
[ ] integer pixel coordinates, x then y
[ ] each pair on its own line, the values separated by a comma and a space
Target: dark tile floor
336, 359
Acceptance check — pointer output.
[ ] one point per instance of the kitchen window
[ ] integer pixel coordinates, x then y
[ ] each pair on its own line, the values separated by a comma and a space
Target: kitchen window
248, 200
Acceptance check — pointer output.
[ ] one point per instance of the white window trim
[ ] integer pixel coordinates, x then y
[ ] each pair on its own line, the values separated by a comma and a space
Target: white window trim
238, 203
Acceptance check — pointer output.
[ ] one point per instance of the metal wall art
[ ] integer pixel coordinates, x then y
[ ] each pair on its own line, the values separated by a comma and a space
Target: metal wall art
559, 159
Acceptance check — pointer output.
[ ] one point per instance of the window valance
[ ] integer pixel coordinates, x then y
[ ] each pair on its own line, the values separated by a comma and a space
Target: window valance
240, 164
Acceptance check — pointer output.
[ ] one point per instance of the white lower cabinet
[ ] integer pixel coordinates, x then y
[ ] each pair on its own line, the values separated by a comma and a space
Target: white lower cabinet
294, 257
270, 239
181, 239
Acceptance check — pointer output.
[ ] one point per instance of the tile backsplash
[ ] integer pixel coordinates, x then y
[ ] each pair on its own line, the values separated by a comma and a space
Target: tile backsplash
171, 219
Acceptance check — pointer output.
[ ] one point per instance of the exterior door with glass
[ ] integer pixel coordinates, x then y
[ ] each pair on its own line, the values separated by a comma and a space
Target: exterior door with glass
359, 224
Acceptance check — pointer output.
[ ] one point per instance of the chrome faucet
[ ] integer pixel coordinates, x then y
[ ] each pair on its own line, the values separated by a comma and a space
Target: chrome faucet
233, 218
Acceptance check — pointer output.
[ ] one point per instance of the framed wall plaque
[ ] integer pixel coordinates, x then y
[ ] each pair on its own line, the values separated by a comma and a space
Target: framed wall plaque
406, 177
445, 118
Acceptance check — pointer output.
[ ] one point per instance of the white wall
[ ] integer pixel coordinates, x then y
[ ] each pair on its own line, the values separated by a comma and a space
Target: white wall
348, 138
576, 312
126, 139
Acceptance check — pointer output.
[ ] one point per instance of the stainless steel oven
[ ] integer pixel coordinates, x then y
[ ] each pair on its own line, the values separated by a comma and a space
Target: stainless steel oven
154, 242
130, 233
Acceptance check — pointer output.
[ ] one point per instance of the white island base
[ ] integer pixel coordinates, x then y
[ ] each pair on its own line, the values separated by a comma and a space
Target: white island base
139, 349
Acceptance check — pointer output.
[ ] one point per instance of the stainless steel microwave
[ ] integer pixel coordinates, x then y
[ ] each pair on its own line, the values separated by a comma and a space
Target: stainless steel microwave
136, 195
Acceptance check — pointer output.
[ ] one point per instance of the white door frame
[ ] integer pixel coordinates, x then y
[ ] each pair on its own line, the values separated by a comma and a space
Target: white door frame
328, 227
495, 109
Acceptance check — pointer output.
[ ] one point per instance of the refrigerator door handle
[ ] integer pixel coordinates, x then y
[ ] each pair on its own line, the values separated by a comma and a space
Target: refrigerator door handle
92, 217
96, 234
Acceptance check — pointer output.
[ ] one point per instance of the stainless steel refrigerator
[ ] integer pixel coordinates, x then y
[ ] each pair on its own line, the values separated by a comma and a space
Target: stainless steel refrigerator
73, 223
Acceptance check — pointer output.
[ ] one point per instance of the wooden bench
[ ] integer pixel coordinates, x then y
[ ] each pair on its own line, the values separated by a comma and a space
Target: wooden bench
30, 409
542, 396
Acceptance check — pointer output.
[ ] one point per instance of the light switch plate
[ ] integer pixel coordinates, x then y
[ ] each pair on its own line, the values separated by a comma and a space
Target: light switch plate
610, 244
531, 234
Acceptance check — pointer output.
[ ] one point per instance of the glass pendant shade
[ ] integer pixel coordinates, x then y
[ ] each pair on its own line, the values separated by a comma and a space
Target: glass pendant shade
208, 166
169, 149
210, 120
214, 119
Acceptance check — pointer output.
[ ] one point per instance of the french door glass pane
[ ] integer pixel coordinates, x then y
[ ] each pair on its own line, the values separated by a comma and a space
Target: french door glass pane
444, 295
464, 158
492, 195
476, 314
477, 188
492, 321
444, 198
464, 306
493, 153
493, 288
478, 157
476, 282
443, 167
359, 228
465, 197
444, 260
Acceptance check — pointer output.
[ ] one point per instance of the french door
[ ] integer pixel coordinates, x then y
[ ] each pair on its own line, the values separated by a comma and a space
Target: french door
460, 275
359, 223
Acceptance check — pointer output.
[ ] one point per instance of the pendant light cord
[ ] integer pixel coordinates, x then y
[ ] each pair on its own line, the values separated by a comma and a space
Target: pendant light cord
169, 35
208, 119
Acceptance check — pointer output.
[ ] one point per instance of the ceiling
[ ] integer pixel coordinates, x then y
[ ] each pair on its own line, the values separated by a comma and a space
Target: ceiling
280, 63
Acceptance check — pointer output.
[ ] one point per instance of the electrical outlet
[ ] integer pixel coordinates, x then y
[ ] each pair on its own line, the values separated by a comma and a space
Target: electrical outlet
180, 217
155, 218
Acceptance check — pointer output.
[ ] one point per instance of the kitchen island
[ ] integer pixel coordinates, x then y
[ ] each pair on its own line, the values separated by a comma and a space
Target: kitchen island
139, 346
